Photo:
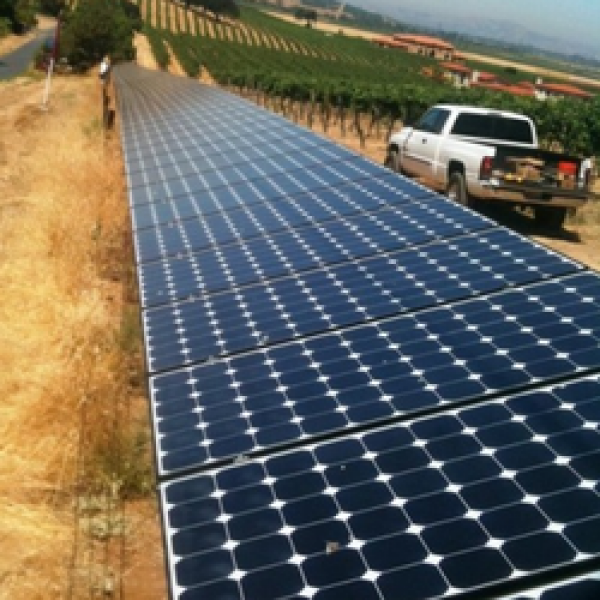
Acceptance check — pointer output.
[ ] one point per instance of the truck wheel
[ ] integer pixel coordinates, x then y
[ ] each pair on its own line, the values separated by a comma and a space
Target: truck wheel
457, 189
552, 217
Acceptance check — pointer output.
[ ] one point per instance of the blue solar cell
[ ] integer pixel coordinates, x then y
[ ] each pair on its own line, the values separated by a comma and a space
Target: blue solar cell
345, 199
290, 182
339, 500
361, 375
290, 251
351, 293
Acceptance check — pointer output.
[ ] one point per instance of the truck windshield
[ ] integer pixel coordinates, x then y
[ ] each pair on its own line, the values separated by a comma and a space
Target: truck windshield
493, 127
433, 120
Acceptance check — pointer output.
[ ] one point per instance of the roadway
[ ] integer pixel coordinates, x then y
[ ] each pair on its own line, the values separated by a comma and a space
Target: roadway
16, 62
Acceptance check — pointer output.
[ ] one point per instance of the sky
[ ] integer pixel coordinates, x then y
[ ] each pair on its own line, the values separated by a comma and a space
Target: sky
577, 21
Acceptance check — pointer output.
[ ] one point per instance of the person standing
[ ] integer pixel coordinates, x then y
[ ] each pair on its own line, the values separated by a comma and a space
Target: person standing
105, 70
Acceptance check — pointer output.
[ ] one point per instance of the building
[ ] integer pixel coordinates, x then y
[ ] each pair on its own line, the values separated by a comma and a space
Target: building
456, 73
423, 45
548, 91
462, 76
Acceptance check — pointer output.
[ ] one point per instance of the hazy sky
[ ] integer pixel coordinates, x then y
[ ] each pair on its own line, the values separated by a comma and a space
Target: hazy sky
577, 20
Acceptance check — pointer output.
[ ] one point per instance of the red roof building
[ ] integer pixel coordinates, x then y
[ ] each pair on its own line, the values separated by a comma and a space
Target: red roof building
546, 91
460, 75
515, 90
418, 44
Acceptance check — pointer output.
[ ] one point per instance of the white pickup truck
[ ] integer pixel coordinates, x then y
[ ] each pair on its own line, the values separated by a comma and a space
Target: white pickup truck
474, 153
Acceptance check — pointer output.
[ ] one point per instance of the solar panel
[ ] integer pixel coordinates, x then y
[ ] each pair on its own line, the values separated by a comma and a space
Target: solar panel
393, 367
388, 228
294, 250
273, 159
297, 181
502, 259
464, 501
347, 293
359, 390
583, 588
323, 203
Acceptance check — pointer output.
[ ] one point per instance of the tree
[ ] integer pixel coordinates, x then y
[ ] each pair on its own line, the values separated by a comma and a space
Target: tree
306, 14
52, 7
94, 29
218, 7
24, 14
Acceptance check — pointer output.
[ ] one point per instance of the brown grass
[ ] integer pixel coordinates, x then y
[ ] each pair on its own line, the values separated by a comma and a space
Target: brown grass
62, 215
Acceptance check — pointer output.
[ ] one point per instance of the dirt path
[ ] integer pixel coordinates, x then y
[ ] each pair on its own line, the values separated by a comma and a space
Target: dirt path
144, 56
175, 67
163, 7
174, 17
154, 12
191, 22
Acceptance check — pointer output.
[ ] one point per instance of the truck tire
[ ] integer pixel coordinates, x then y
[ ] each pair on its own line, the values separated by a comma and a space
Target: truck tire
552, 217
457, 189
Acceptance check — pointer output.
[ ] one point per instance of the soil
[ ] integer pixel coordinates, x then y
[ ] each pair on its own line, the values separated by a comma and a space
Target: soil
144, 55
144, 569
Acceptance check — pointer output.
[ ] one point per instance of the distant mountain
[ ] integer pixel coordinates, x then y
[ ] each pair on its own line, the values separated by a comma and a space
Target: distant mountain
491, 29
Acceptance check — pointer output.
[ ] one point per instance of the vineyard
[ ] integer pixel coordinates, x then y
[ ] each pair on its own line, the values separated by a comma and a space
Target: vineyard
346, 82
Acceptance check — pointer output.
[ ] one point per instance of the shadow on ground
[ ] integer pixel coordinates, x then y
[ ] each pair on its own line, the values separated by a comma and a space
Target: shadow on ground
524, 223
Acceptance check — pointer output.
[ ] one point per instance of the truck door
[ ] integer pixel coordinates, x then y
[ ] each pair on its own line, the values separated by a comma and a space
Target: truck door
420, 149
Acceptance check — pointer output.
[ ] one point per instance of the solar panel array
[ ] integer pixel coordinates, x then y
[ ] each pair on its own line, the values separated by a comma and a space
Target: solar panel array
359, 390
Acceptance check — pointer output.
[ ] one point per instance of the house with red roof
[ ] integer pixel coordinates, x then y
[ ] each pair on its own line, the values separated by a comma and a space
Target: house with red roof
458, 74
423, 45
548, 91
462, 76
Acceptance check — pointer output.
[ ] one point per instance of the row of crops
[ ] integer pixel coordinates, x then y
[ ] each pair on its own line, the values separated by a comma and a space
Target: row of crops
336, 75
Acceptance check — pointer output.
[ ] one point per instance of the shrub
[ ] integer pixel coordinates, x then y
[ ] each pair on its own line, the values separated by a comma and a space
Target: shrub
5, 26
24, 15
94, 29
52, 7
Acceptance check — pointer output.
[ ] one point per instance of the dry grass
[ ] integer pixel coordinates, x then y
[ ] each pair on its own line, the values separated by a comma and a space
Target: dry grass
62, 212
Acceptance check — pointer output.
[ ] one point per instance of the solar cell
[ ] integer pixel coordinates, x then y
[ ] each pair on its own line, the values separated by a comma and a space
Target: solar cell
345, 294
187, 146
320, 204
295, 250
400, 366
275, 158
292, 182
441, 506
221, 228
